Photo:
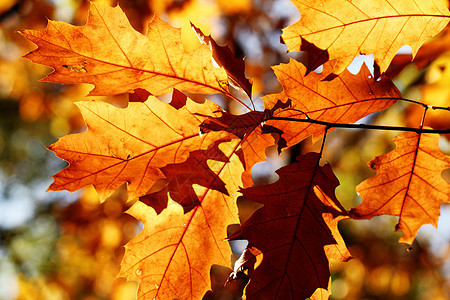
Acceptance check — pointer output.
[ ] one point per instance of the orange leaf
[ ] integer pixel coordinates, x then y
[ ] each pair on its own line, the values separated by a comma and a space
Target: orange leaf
408, 184
172, 256
346, 99
295, 232
348, 28
110, 54
252, 151
428, 53
129, 145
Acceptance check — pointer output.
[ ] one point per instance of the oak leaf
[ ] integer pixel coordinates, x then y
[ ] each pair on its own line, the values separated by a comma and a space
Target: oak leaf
223, 56
129, 145
427, 54
346, 99
408, 184
182, 176
110, 54
250, 129
348, 28
172, 256
295, 231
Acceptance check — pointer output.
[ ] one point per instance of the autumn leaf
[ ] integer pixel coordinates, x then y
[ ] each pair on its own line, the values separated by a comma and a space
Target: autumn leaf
346, 99
172, 256
239, 125
129, 145
108, 53
178, 99
296, 232
427, 54
248, 127
223, 56
252, 151
182, 176
347, 28
408, 184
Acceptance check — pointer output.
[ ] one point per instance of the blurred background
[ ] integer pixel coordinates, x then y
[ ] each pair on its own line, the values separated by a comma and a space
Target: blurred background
56, 245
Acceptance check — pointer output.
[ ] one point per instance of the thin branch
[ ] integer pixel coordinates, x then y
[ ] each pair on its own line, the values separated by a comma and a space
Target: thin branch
423, 117
439, 107
416, 102
362, 126
398, 99
323, 141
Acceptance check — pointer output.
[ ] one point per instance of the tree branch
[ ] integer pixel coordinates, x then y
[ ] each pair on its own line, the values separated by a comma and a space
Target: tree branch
362, 126
419, 103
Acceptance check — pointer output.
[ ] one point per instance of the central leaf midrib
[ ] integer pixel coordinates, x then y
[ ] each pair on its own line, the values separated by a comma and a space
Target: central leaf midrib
370, 20
137, 69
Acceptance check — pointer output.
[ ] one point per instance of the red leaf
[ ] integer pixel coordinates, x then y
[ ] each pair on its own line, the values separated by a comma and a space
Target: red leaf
223, 56
295, 232
181, 177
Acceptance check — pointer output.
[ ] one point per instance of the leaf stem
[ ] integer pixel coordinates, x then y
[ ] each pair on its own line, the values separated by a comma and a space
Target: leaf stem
406, 100
323, 142
362, 126
415, 102
423, 117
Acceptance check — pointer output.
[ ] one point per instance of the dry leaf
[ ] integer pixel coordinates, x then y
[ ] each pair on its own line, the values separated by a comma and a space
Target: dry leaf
408, 184
347, 28
295, 232
110, 54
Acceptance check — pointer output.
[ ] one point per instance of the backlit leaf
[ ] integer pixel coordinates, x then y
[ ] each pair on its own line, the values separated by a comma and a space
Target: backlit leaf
129, 145
295, 232
172, 256
408, 184
346, 99
347, 28
109, 53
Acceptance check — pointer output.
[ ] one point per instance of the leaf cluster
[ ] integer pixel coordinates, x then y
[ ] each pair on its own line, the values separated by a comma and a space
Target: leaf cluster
188, 162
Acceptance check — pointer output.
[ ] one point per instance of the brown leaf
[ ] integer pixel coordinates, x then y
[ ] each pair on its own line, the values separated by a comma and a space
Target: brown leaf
295, 232
316, 56
408, 184
248, 128
129, 145
182, 176
346, 99
108, 53
223, 56
347, 28
172, 256
178, 99
239, 125
139, 95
